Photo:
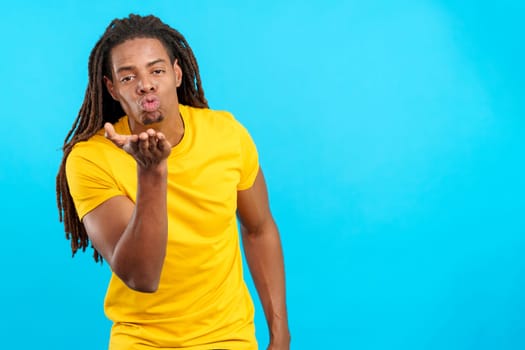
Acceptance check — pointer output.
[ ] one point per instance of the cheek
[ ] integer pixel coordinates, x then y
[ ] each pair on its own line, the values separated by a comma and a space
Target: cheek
125, 98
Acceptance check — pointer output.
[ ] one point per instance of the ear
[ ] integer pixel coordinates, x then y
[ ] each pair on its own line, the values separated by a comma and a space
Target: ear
178, 72
110, 87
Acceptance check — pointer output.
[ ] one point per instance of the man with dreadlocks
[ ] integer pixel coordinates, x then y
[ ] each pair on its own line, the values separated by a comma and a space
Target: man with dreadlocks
155, 180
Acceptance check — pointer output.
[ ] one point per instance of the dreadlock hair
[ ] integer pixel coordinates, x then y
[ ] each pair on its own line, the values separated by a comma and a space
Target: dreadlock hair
99, 107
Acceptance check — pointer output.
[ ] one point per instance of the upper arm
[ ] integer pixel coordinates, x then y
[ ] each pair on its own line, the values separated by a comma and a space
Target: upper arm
253, 206
102, 206
106, 223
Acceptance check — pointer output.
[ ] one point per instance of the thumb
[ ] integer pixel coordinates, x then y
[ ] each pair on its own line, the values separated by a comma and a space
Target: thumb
111, 134
109, 131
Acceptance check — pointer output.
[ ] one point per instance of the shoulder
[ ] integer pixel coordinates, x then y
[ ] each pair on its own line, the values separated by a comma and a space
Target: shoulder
96, 150
98, 144
211, 117
93, 148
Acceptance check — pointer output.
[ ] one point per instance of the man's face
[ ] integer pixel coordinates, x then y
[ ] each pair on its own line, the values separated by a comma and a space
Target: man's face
144, 81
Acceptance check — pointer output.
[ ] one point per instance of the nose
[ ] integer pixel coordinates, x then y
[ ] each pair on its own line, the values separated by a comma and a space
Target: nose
146, 85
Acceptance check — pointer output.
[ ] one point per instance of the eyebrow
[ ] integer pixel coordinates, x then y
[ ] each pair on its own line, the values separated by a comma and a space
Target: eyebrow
152, 63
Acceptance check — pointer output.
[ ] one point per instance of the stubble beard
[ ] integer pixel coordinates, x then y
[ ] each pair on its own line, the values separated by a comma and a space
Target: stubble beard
149, 121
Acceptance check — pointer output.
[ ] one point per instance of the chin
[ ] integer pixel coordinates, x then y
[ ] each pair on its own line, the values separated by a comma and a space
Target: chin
148, 121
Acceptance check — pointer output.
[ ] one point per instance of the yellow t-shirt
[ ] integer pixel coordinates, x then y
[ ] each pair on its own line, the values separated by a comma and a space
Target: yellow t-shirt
202, 301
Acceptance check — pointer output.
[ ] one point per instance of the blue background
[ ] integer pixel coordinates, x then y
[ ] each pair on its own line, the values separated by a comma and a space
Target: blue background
392, 138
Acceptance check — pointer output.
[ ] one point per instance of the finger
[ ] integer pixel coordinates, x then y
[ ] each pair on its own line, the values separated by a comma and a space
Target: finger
109, 131
152, 140
112, 135
143, 142
162, 143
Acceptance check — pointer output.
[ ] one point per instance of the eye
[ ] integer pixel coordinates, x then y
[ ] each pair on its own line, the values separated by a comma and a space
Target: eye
158, 71
127, 78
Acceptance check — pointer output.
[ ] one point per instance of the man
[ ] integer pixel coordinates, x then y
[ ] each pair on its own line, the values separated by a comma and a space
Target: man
155, 180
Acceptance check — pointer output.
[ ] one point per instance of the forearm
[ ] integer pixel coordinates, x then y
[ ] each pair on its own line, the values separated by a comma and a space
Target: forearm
265, 258
139, 254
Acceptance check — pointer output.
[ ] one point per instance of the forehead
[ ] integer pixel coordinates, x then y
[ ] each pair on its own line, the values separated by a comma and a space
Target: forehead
137, 52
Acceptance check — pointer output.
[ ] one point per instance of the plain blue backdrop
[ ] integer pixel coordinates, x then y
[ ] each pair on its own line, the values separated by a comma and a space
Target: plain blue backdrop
392, 138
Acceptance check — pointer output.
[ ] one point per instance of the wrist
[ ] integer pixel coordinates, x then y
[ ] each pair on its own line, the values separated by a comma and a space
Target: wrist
280, 336
153, 176
280, 341
151, 170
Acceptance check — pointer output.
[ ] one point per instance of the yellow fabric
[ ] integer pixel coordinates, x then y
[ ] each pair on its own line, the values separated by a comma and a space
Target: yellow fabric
202, 301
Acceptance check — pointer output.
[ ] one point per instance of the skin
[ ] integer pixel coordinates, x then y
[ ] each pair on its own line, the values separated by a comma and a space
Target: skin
132, 237
262, 247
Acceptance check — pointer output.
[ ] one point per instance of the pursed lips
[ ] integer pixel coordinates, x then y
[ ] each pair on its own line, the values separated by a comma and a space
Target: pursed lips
149, 103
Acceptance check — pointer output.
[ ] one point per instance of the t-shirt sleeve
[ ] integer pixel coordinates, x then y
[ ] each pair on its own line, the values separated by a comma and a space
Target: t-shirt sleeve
249, 160
89, 184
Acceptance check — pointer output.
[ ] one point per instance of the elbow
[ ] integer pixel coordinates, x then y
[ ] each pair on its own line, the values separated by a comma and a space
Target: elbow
139, 281
138, 275
150, 288
143, 285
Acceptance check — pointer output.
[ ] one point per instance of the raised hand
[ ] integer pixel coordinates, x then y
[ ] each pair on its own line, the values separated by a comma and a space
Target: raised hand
148, 148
